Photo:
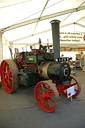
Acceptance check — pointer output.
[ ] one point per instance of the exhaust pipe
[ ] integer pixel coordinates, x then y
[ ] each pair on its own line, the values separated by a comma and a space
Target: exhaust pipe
56, 38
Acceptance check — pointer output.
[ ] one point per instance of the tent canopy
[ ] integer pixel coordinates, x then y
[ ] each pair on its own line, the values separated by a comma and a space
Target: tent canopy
25, 21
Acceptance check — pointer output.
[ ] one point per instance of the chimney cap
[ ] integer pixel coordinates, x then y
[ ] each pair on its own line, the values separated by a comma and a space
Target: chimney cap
55, 21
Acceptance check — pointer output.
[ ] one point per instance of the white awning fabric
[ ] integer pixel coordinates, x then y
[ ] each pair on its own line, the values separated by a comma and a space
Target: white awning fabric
25, 21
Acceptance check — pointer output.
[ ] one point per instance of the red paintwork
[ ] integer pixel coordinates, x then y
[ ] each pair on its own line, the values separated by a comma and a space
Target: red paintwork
45, 97
6, 77
22, 65
28, 64
36, 51
62, 88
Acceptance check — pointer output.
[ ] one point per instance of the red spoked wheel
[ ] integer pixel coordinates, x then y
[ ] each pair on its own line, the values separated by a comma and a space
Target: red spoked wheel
9, 76
72, 82
45, 96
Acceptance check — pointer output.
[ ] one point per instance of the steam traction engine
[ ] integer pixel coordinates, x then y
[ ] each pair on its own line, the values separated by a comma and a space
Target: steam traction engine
50, 74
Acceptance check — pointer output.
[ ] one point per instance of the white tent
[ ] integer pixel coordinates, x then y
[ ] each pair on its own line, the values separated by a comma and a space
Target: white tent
25, 21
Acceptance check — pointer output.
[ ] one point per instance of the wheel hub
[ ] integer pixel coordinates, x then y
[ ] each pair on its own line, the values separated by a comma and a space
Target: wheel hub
45, 96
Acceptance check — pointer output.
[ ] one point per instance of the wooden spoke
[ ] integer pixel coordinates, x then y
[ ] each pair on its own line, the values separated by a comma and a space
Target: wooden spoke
52, 100
48, 104
40, 90
76, 90
48, 89
44, 103
52, 94
73, 84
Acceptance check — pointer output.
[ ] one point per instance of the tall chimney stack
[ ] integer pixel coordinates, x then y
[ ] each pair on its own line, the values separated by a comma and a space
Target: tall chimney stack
56, 38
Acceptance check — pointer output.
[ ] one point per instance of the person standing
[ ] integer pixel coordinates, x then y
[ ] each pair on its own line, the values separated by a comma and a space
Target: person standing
82, 59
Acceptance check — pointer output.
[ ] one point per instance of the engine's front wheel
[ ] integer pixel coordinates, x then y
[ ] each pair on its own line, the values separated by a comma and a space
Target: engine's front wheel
77, 87
9, 76
45, 95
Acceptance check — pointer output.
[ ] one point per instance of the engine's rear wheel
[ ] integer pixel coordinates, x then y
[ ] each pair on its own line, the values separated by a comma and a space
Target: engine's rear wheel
45, 96
9, 76
77, 87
